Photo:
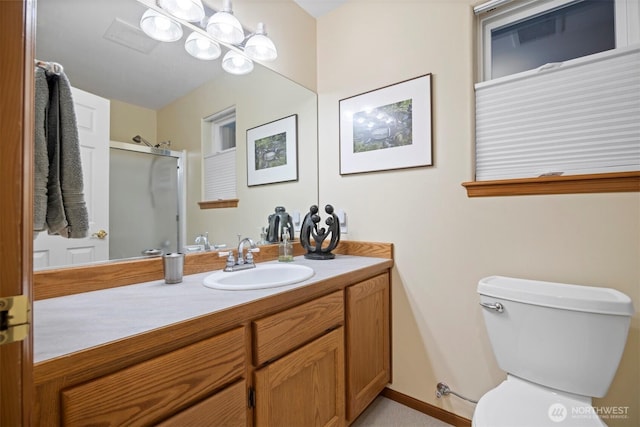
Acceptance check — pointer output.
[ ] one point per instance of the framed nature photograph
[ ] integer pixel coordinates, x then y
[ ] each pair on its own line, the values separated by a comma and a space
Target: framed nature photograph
272, 152
387, 128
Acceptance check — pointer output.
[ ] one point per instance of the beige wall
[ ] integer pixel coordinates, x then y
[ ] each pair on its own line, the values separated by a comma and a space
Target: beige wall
444, 241
129, 120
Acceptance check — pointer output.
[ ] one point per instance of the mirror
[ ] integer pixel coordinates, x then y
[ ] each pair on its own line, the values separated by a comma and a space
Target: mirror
164, 95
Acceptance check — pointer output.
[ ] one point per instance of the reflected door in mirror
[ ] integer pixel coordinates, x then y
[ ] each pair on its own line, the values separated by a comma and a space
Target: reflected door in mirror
92, 117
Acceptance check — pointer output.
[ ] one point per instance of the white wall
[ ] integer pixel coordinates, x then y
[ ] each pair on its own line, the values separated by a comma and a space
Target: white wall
444, 241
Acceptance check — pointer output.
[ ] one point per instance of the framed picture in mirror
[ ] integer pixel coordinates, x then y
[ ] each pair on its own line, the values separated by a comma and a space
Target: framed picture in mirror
272, 152
387, 128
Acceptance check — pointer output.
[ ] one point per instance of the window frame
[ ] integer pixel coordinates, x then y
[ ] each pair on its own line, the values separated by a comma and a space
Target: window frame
211, 130
501, 12
627, 24
211, 143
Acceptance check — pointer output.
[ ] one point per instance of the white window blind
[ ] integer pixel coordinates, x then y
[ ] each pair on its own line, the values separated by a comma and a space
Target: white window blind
220, 175
582, 116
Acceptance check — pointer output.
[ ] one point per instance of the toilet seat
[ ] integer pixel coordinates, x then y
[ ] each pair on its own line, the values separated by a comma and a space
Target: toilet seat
520, 403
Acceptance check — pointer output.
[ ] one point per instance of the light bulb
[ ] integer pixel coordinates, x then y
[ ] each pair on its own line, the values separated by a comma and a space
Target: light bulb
162, 23
159, 27
201, 47
225, 27
189, 10
235, 63
202, 43
260, 47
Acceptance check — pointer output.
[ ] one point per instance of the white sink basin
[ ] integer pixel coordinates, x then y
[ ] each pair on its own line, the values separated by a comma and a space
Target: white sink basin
262, 277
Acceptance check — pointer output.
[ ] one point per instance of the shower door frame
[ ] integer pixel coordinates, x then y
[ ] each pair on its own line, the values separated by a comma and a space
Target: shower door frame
181, 181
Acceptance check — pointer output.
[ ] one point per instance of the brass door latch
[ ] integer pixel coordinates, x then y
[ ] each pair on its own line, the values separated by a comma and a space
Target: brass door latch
14, 324
100, 234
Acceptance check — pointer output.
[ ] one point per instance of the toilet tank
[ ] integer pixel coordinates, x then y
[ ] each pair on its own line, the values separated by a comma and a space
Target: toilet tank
566, 337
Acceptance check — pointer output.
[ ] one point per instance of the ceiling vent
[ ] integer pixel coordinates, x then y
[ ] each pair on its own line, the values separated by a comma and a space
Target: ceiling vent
130, 36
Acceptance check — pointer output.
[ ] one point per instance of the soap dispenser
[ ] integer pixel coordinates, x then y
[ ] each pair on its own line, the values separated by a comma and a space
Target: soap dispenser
285, 249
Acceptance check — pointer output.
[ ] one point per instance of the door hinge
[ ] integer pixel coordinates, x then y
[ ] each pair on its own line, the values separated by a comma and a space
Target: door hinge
14, 319
252, 397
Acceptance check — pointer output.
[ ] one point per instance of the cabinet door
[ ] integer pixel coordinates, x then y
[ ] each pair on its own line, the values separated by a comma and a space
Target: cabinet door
305, 387
367, 343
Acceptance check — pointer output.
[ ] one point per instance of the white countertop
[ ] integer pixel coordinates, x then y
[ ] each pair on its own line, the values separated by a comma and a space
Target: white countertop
77, 322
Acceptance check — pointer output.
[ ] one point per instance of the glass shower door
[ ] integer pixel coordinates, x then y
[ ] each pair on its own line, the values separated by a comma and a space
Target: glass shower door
143, 208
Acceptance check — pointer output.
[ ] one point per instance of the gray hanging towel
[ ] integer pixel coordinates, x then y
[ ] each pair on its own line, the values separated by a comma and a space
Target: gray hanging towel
41, 158
66, 208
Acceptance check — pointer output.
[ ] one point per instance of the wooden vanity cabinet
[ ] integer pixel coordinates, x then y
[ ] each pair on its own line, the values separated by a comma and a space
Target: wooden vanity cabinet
319, 362
149, 392
368, 351
302, 383
333, 378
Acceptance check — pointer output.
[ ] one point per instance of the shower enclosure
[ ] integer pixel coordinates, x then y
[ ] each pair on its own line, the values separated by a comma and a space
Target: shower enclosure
146, 201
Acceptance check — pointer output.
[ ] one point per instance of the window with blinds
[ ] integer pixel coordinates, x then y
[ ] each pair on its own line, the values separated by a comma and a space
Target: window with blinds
219, 156
555, 100
580, 117
220, 176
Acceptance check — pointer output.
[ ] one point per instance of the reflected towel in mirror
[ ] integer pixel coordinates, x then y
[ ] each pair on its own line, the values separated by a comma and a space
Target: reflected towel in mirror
60, 207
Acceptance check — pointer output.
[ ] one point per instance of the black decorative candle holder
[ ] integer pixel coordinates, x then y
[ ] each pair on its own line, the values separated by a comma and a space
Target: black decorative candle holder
314, 239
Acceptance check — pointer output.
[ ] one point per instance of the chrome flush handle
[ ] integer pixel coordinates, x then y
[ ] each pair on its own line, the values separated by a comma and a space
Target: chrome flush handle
495, 306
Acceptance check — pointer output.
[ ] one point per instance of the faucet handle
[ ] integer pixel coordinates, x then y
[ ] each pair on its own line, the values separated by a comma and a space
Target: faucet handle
231, 261
249, 256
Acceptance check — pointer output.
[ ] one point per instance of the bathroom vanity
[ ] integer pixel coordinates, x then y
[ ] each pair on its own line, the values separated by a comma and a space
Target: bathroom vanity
311, 353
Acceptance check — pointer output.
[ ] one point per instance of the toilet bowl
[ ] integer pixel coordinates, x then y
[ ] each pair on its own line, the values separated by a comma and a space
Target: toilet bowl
519, 403
560, 345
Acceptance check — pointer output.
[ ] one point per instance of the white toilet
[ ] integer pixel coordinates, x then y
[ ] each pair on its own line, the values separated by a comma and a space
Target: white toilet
560, 346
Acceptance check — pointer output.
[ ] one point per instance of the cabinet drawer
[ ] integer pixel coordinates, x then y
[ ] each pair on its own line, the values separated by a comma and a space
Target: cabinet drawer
278, 334
227, 408
149, 391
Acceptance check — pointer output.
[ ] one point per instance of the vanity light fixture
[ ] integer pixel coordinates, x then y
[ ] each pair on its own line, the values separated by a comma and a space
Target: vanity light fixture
235, 63
202, 47
160, 27
224, 26
164, 23
189, 10
259, 46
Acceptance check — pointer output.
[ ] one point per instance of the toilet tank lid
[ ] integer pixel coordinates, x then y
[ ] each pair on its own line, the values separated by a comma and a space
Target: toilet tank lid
557, 295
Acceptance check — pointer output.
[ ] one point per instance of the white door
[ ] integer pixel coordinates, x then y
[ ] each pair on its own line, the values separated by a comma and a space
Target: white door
92, 115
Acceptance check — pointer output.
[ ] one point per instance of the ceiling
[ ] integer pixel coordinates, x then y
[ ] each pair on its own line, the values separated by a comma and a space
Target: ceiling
102, 50
317, 8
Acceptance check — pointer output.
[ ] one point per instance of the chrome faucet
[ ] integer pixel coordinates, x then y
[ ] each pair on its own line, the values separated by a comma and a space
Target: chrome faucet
243, 262
203, 240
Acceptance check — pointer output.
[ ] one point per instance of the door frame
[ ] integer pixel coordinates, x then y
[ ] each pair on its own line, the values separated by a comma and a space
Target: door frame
17, 44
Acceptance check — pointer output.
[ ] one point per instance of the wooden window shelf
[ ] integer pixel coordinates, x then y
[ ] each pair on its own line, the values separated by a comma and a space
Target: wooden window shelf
218, 204
570, 184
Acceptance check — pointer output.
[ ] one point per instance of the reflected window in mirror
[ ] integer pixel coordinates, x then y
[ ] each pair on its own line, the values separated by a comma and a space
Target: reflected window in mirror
219, 157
